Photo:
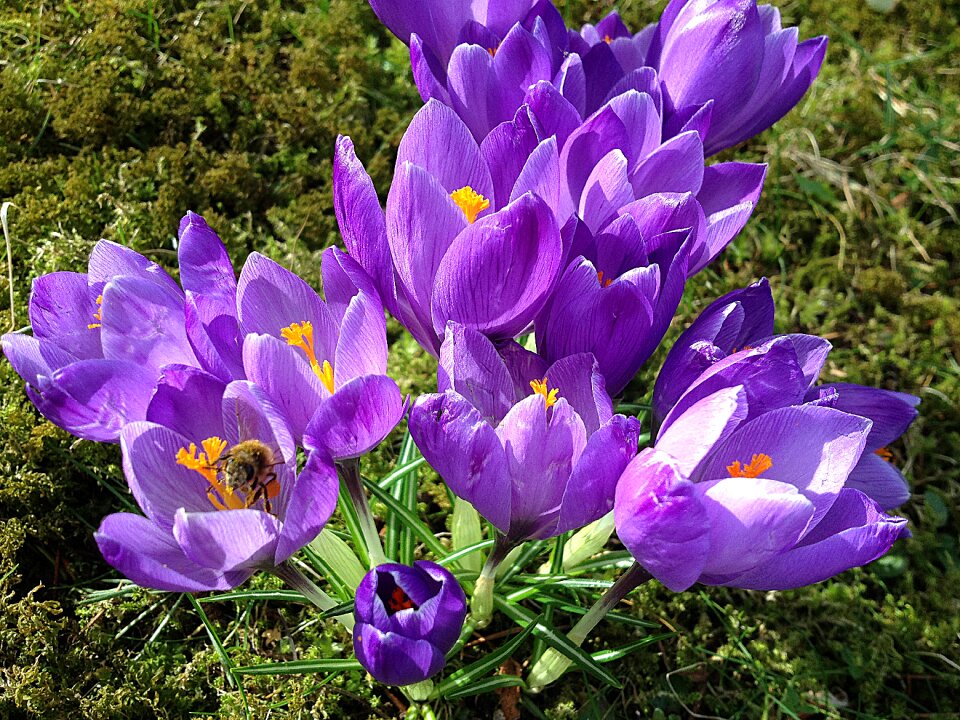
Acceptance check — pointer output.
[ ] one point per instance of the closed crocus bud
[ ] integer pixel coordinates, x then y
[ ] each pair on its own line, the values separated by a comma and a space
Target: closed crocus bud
407, 619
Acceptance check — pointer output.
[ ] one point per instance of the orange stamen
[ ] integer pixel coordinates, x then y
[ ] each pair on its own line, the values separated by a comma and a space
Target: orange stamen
98, 315
759, 464
471, 202
300, 335
540, 388
604, 283
399, 600
607, 39
884, 453
205, 463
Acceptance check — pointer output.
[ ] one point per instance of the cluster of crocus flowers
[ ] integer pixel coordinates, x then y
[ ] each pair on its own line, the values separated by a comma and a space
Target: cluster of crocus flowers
549, 204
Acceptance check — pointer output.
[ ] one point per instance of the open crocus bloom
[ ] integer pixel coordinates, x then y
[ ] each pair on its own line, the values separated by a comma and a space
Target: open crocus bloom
452, 246
731, 327
100, 338
323, 363
536, 449
218, 486
407, 619
736, 56
746, 486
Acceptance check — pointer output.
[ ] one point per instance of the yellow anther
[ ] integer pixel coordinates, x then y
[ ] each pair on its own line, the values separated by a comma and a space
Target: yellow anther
759, 464
604, 283
472, 203
300, 335
493, 51
98, 315
607, 39
540, 388
205, 463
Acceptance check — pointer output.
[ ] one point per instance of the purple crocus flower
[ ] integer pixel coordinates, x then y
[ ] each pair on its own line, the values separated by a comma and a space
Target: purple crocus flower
324, 363
214, 471
407, 619
736, 56
616, 300
452, 246
738, 320
536, 449
100, 338
746, 486
742, 320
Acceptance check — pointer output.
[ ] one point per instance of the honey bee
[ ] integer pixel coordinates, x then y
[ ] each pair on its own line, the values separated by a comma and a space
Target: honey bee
247, 467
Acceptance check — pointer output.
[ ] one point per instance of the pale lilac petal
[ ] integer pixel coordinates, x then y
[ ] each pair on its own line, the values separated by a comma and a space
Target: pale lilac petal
229, 540
62, 310
505, 150
109, 260
465, 451
187, 401
471, 366
879, 480
661, 521
606, 190
540, 174
205, 266
553, 112
312, 501
691, 437
674, 167
150, 557
362, 348
581, 384
356, 418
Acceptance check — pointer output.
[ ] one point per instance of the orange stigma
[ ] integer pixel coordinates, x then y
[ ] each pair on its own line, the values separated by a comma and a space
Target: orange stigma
493, 51
604, 283
540, 388
399, 600
884, 454
759, 464
98, 315
734, 351
300, 335
472, 203
607, 39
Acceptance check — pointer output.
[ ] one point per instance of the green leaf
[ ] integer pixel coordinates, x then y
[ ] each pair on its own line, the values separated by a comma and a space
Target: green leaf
280, 595
217, 645
466, 531
350, 518
454, 556
605, 656
300, 667
485, 686
557, 640
338, 560
410, 520
464, 677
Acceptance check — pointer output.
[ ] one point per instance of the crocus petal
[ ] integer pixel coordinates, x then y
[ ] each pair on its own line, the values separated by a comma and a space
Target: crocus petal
471, 83
729, 193
271, 298
465, 451
143, 322
505, 150
855, 532
94, 399
204, 263
596, 137
312, 501
674, 167
438, 141
751, 520
541, 447
160, 485
811, 353
210, 322
554, 114
429, 74
879, 480
290, 381
691, 437
813, 448
393, 659
229, 540
361, 219
661, 521
580, 382
109, 260
606, 190
356, 418
62, 310
149, 556
343, 279
32, 358
187, 401
362, 347
589, 493
541, 174
249, 413
891, 412
471, 366
500, 271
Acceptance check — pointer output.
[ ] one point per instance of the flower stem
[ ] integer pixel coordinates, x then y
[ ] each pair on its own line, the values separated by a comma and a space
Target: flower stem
349, 471
304, 585
481, 600
553, 664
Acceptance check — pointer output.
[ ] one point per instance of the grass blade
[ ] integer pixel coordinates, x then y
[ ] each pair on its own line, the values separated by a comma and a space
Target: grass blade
409, 520
299, 667
464, 677
485, 686
605, 656
557, 640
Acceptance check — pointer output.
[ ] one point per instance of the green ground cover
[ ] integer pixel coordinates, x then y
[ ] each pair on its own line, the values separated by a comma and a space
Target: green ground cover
116, 116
